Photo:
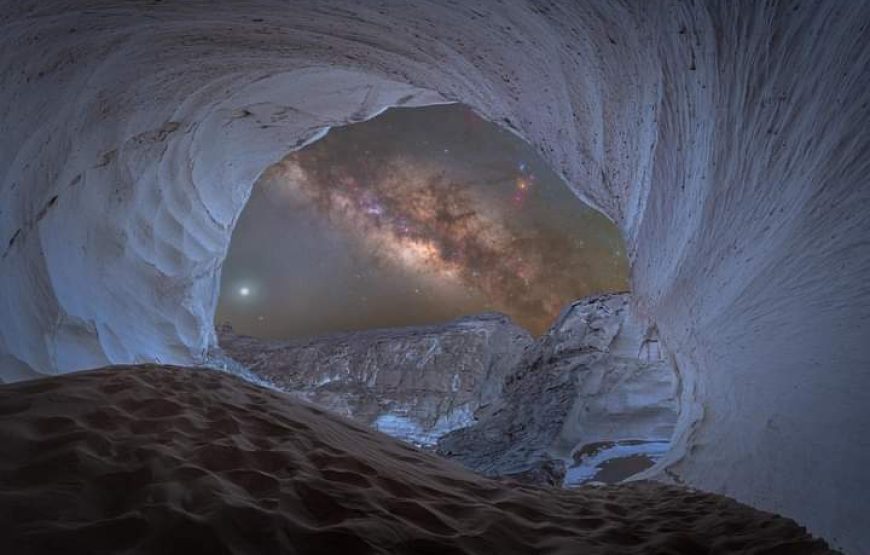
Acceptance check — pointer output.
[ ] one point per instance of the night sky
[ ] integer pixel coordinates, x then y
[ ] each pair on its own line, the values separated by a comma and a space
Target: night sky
418, 216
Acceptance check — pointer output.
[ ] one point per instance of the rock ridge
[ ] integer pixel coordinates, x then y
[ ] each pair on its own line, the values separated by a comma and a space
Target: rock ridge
584, 382
415, 383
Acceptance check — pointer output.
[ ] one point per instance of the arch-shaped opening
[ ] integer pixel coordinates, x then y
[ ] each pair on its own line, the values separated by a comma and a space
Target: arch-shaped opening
426, 221
417, 216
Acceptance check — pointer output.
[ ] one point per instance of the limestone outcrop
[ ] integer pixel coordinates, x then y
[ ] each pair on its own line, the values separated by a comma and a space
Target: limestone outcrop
414, 383
593, 392
728, 140
593, 378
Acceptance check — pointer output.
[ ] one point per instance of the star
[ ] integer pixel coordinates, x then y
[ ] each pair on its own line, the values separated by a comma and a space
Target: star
408, 230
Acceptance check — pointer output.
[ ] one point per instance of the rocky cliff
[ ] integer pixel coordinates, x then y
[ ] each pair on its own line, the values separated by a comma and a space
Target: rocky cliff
593, 396
592, 399
414, 383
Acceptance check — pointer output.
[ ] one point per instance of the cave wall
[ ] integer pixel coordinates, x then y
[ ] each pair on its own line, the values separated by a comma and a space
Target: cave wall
726, 139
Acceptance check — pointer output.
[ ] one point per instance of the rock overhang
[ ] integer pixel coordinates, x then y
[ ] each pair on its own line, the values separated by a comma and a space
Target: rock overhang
727, 142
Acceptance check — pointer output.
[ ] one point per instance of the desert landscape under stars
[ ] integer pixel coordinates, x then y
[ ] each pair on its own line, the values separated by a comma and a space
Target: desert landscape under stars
417, 216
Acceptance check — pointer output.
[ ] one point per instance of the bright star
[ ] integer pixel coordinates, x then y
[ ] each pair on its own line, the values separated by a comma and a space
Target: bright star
244, 291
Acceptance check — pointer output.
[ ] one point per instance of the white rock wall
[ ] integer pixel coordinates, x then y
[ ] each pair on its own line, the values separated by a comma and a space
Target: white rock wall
728, 140
416, 383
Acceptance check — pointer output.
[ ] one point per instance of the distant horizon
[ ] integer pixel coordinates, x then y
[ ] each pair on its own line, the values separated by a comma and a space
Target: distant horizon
432, 324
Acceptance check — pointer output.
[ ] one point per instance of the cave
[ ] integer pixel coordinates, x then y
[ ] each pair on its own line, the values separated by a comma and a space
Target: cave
727, 142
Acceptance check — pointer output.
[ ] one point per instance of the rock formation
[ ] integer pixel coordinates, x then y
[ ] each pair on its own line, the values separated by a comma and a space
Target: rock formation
589, 380
596, 387
728, 140
414, 383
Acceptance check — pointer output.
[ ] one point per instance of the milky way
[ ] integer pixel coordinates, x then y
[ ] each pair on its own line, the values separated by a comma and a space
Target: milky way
450, 203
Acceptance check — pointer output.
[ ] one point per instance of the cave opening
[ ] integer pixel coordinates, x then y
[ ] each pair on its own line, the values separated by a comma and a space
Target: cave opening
407, 272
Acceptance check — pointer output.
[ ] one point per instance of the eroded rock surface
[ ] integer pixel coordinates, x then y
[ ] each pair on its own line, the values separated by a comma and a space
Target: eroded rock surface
414, 383
728, 140
594, 377
592, 399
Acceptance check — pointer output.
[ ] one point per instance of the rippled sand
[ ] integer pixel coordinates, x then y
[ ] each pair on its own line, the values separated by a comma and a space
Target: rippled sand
151, 459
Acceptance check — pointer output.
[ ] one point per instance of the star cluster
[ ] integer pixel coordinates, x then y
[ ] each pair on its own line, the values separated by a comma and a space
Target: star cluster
450, 208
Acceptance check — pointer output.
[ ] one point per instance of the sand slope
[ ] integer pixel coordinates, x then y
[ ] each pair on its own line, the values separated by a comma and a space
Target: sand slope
165, 460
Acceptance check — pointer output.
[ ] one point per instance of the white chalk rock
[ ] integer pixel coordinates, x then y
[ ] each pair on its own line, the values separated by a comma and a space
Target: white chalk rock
416, 383
728, 141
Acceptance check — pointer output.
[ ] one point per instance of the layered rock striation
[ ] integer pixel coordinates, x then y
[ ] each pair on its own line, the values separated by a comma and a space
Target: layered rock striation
596, 377
594, 393
414, 383
728, 140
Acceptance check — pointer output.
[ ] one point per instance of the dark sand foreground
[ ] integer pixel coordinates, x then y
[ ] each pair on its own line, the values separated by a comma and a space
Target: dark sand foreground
151, 459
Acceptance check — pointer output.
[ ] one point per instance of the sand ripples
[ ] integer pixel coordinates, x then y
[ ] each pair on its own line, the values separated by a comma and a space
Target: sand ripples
163, 460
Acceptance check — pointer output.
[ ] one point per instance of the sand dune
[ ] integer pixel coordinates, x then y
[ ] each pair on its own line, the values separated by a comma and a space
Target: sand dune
150, 459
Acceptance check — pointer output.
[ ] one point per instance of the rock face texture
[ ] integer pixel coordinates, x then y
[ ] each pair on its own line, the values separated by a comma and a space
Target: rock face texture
586, 381
510, 406
414, 383
728, 140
